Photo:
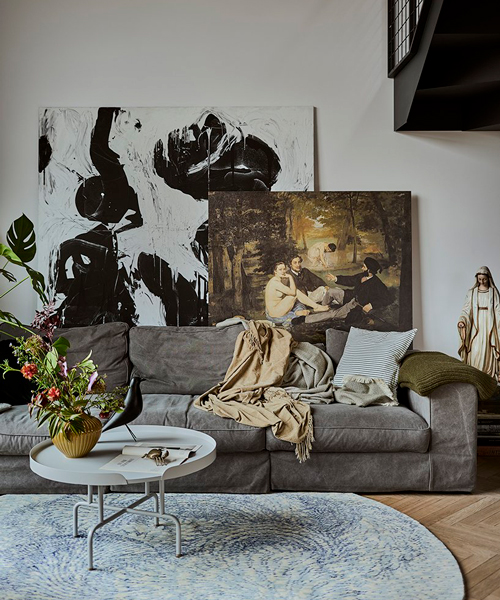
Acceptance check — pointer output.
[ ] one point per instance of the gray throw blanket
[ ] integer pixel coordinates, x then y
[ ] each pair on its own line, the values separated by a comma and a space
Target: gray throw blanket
365, 391
309, 375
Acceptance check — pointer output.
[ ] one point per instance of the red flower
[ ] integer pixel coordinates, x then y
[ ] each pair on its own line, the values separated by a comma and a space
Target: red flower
54, 393
29, 370
104, 415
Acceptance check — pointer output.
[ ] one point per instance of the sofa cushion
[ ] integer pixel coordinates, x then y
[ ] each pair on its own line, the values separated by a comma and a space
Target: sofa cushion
374, 354
182, 360
336, 339
345, 428
18, 432
109, 345
178, 411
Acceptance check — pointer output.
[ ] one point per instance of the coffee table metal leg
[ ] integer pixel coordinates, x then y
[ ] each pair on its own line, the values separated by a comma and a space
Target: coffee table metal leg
90, 535
159, 512
148, 492
90, 499
178, 549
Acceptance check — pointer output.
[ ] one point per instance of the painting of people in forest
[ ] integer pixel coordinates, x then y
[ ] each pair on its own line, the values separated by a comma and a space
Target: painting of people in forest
308, 261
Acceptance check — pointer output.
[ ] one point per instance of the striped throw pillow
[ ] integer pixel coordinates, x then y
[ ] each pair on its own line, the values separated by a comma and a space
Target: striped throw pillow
374, 354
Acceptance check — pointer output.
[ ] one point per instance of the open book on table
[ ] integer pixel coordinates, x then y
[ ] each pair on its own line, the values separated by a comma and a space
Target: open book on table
132, 458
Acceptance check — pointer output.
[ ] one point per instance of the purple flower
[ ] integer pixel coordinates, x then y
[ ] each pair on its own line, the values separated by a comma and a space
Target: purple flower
47, 319
93, 377
63, 366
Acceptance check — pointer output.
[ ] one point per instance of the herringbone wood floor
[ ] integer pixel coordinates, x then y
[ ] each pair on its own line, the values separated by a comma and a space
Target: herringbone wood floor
469, 525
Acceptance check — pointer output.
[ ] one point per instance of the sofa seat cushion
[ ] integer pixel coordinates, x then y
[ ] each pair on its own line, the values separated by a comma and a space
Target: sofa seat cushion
345, 428
178, 411
18, 432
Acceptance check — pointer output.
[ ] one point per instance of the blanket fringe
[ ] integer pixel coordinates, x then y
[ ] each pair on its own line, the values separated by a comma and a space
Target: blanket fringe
302, 449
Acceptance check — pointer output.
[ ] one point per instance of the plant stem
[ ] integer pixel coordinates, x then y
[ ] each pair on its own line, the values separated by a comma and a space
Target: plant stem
14, 325
14, 286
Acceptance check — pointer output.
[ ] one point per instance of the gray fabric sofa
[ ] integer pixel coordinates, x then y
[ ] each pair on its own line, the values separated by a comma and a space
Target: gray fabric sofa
425, 444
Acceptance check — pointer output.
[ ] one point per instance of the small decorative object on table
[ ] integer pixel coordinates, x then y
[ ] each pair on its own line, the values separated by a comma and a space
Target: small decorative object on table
63, 396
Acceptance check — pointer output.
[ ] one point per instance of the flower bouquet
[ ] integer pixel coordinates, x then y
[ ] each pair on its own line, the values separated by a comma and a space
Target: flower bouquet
63, 396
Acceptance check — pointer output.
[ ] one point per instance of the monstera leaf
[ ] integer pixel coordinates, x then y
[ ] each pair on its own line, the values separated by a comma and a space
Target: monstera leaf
7, 317
8, 275
38, 283
9, 255
21, 239
21, 250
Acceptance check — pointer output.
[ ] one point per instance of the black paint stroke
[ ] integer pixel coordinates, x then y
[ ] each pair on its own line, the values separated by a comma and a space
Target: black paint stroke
44, 153
98, 291
209, 159
199, 245
107, 198
181, 303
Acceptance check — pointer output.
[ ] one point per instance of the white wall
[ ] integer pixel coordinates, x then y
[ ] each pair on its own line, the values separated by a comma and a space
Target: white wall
327, 53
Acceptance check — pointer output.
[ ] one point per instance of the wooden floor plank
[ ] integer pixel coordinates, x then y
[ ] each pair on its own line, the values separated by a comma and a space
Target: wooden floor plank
483, 514
473, 561
484, 571
447, 509
475, 536
471, 510
489, 584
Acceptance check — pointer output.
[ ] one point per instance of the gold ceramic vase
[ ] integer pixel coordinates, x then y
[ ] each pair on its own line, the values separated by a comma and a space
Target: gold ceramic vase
79, 444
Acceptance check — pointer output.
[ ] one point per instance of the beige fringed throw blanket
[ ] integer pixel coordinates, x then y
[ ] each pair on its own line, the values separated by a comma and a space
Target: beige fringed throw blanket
250, 392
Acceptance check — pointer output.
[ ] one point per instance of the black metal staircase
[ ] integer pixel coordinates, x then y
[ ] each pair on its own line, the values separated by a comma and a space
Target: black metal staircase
444, 56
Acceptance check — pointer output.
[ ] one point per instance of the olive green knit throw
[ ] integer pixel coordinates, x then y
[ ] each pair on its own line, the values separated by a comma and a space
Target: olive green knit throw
425, 371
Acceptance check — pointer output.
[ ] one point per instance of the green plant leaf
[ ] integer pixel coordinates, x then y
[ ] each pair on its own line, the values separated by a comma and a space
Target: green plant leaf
43, 418
7, 317
61, 345
38, 283
21, 238
8, 275
51, 359
11, 256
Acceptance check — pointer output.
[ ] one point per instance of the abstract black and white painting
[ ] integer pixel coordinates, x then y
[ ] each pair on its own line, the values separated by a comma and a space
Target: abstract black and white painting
123, 227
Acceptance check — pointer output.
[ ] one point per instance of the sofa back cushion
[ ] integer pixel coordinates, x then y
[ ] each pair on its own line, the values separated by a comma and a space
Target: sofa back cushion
109, 345
335, 344
181, 360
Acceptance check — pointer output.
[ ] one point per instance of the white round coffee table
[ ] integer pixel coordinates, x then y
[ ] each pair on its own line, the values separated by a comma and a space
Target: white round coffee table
48, 462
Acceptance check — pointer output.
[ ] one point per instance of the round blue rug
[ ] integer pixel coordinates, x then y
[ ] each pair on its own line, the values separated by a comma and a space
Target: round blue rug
286, 546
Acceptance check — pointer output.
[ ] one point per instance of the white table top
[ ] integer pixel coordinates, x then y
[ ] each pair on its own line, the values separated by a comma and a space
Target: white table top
48, 462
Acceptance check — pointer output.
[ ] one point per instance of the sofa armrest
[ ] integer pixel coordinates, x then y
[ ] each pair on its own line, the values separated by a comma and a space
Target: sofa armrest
451, 413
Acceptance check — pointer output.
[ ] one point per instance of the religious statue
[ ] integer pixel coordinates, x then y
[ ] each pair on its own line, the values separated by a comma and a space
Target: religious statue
479, 325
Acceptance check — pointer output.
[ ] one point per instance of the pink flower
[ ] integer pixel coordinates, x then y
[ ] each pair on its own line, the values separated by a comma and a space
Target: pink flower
47, 319
93, 377
63, 366
29, 370
54, 393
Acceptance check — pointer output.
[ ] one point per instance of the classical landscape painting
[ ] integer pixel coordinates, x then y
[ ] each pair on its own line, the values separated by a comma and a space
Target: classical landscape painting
308, 261
124, 201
